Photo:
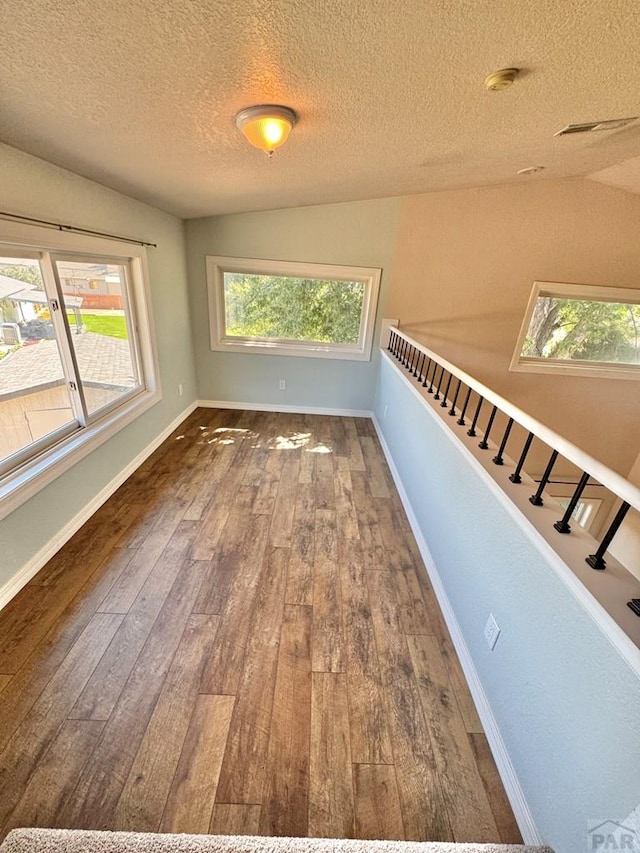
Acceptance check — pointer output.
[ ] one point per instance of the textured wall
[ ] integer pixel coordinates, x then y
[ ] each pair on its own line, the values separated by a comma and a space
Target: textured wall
565, 701
359, 234
463, 273
34, 188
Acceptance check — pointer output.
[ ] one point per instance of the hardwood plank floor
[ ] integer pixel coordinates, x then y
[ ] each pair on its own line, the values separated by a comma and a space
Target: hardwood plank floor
243, 639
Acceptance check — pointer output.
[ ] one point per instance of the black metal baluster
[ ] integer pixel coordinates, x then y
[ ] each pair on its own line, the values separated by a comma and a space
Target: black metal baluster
392, 335
515, 477
536, 499
405, 354
415, 355
436, 396
433, 376
415, 369
412, 352
484, 444
563, 525
452, 410
498, 460
460, 420
446, 393
472, 430
400, 347
421, 371
597, 561
405, 347
426, 374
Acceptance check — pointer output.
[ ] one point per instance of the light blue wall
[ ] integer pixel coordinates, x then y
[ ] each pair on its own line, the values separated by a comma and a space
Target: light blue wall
566, 703
358, 233
34, 188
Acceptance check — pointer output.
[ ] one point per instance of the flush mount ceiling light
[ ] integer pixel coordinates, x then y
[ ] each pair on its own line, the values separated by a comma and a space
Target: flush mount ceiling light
500, 80
266, 126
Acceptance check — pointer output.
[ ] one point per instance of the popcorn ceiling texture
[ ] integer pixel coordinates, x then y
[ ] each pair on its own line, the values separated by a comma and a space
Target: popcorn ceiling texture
142, 96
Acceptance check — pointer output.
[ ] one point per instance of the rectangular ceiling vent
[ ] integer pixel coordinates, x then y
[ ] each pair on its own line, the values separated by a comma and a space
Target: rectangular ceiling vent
588, 126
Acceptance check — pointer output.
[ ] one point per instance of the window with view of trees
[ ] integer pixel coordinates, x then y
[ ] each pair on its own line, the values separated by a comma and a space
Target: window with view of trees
581, 330
77, 358
291, 308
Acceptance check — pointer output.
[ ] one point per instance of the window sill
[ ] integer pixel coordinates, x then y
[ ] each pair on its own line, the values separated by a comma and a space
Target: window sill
25, 482
297, 349
565, 367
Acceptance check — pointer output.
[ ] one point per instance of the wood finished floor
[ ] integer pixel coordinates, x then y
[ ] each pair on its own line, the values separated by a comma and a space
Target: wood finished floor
243, 640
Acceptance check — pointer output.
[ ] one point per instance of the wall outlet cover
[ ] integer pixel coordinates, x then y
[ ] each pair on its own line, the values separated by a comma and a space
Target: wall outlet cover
491, 631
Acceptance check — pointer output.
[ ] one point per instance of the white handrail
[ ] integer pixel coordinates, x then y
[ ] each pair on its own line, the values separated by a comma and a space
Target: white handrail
600, 472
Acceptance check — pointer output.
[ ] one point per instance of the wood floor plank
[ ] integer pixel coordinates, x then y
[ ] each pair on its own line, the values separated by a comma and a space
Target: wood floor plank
414, 613
243, 773
56, 774
369, 732
55, 599
265, 501
16, 620
460, 687
104, 687
170, 533
94, 800
325, 481
285, 801
191, 799
466, 802
500, 807
4, 680
423, 807
33, 736
331, 803
235, 819
300, 573
223, 671
224, 563
145, 792
346, 514
328, 639
31, 679
281, 532
378, 814
375, 467
219, 514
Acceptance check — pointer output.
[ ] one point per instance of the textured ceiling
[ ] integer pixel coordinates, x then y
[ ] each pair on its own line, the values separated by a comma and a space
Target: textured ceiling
141, 94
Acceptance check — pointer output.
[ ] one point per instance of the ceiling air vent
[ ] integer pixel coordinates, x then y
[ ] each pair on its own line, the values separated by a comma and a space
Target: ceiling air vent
588, 126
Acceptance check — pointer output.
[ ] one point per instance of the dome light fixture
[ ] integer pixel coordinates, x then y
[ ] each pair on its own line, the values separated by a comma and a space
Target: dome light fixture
266, 126
501, 80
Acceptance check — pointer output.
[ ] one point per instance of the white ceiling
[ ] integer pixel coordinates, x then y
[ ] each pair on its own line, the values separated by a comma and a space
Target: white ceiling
140, 95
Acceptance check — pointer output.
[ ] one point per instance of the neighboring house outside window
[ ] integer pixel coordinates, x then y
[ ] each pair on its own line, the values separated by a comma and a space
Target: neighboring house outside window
77, 352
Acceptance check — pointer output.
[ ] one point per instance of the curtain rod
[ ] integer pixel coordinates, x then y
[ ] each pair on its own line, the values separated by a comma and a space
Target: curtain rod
61, 227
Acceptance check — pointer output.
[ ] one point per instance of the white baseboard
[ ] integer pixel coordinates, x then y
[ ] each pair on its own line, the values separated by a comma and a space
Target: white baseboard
13, 586
507, 772
281, 407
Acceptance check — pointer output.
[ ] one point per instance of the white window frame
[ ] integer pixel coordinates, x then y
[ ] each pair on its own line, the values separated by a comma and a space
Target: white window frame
594, 369
218, 265
57, 453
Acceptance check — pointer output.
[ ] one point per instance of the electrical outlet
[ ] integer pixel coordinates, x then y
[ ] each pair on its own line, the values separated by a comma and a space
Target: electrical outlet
491, 631
282, 385
180, 389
